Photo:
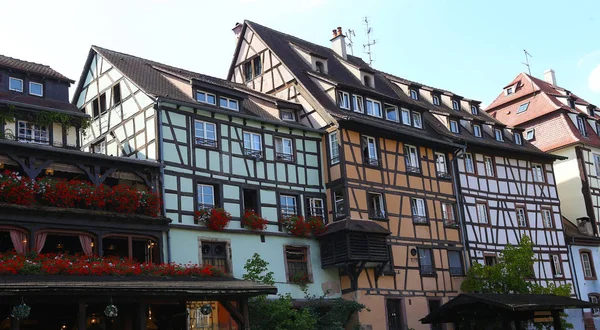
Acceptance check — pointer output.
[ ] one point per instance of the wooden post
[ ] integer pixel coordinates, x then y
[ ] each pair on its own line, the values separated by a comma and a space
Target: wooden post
81, 316
557, 322
518, 325
244, 309
14, 323
141, 313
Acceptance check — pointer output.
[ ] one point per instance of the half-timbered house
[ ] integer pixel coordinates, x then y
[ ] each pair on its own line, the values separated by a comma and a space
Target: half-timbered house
381, 174
222, 145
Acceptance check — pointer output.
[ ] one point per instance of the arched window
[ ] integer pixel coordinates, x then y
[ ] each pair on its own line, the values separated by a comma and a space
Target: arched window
13, 239
414, 95
137, 247
367, 81
320, 67
436, 100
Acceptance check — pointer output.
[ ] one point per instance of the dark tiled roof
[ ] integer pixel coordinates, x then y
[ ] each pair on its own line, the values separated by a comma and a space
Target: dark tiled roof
31, 67
40, 103
363, 226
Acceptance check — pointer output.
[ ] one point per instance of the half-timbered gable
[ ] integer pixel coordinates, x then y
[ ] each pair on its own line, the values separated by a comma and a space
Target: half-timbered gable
222, 145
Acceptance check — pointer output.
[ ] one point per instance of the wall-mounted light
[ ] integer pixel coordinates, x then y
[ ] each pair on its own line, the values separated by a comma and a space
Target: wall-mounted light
49, 171
92, 244
59, 245
1, 166
413, 252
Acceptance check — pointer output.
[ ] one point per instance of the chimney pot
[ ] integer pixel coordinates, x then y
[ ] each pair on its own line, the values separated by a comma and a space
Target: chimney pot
338, 43
339, 30
550, 77
334, 33
237, 30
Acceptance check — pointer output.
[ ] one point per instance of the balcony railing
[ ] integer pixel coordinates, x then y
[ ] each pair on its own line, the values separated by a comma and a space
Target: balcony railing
419, 219
371, 161
335, 160
412, 169
46, 142
444, 175
426, 269
376, 214
206, 142
284, 157
251, 153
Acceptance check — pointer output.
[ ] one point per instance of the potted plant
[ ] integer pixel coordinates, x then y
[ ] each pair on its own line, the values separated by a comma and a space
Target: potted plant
215, 218
301, 278
316, 225
295, 225
253, 221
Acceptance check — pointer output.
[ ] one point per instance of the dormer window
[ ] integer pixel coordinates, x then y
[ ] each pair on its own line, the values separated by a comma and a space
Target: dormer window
36, 89
498, 134
455, 105
367, 81
287, 115
227, 103
320, 67
581, 126
373, 108
344, 100
436, 100
477, 130
417, 122
391, 112
15, 84
454, 126
518, 138
509, 91
523, 107
358, 104
530, 134
592, 111
205, 97
474, 110
414, 95
405, 117
598, 128
572, 103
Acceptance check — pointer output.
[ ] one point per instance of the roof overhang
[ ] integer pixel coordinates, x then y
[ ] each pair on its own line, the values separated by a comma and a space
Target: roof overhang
27, 106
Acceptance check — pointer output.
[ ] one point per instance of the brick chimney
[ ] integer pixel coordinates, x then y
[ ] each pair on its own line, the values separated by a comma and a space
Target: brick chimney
550, 77
338, 43
237, 30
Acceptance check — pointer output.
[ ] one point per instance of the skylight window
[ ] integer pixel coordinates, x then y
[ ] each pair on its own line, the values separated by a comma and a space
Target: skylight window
523, 107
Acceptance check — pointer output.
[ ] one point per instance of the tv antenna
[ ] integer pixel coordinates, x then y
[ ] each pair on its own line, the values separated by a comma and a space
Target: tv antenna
526, 63
349, 35
367, 46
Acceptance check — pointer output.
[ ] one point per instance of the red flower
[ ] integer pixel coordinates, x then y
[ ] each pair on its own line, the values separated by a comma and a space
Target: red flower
215, 219
253, 220
295, 225
317, 227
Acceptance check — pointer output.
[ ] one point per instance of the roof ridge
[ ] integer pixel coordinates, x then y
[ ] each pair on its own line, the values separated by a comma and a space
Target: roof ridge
18, 59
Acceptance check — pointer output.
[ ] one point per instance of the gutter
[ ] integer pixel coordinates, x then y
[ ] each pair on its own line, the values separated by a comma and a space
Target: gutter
162, 172
459, 206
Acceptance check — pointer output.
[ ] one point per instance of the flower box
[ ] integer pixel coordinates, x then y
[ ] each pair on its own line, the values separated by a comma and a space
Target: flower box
213, 218
254, 221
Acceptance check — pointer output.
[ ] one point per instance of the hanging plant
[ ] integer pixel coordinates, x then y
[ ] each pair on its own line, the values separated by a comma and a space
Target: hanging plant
111, 311
7, 115
302, 279
253, 220
215, 219
21, 311
295, 225
316, 225
206, 309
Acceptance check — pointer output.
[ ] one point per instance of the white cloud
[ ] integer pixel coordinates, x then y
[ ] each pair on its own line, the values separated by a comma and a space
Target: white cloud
594, 79
587, 57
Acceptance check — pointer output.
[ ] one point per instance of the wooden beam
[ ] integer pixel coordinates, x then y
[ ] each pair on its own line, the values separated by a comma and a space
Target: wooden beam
245, 315
141, 314
235, 313
557, 321
81, 321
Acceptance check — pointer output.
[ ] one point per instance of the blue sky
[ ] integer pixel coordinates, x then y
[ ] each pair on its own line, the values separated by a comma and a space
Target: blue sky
472, 48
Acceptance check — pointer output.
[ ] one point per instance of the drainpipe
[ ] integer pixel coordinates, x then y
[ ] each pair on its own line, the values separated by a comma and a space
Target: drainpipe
162, 171
459, 205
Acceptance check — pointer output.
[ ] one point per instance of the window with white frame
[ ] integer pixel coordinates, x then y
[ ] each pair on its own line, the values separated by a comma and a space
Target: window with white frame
344, 100
509, 91
358, 103
373, 108
36, 89
284, 149
529, 134
411, 157
477, 130
205, 97
489, 165
369, 146
594, 300
406, 117
228, 103
334, 148
538, 172
339, 202
521, 217
469, 166
414, 95
474, 110
417, 122
587, 264
455, 105
206, 196
287, 204
31, 133
518, 138
598, 128
581, 126
316, 207
523, 107
454, 126
448, 213
253, 145
498, 134
287, 115
99, 147
436, 100
556, 265
419, 213
440, 164
15, 84
482, 213
376, 208
597, 164
391, 112
206, 134
547, 218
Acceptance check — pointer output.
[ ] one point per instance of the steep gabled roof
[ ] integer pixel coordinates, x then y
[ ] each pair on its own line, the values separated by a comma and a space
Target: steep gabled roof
32, 68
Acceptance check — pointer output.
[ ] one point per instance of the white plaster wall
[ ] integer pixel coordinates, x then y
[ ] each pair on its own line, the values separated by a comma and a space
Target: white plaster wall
569, 184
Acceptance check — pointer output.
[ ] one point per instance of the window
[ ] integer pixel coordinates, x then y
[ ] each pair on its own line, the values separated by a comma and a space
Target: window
96, 108
206, 134
391, 112
320, 67
406, 117
572, 103
376, 209
588, 265
455, 262
482, 213
139, 248
288, 205
440, 164
518, 138
367, 81
425, 261
598, 128
316, 207
206, 196
287, 115
538, 172
448, 213
340, 204
373, 108
498, 135
592, 111
99, 147
418, 210
489, 166
490, 260
253, 145
453, 126
248, 71
15, 84
116, 93
334, 148
521, 217
343, 100
370, 151
296, 259
509, 91
523, 107
529, 134
36, 89
358, 103
103, 103
414, 95
597, 164
436, 100
469, 167
284, 150
257, 64
581, 126
594, 299
455, 105
556, 265
412, 159
474, 110
477, 130
250, 197
252, 68
227, 103
395, 314
547, 218
31, 133
417, 122
215, 254
205, 97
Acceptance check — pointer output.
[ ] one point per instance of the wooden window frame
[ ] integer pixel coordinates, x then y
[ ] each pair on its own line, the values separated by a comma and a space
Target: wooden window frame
33, 128
416, 114
430, 249
373, 101
456, 105
309, 208
216, 198
36, 83
309, 271
473, 163
253, 72
414, 94
227, 101
445, 174
543, 213
402, 112
129, 237
542, 173
281, 155
498, 135
386, 107
228, 252
480, 130
419, 219
591, 262
492, 168
518, 138
521, 207
595, 311
371, 210
251, 152
487, 213
454, 121
581, 126
553, 266
596, 158
343, 96
528, 133
205, 142
474, 110
358, 106
462, 263
434, 98
523, 107
412, 168
372, 160
334, 159
344, 199
490, 255
447, 221
282, 111
297, 207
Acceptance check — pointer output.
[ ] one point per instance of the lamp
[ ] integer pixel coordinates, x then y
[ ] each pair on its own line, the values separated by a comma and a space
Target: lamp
49, 171
1, 166
59, 245
111, 247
